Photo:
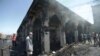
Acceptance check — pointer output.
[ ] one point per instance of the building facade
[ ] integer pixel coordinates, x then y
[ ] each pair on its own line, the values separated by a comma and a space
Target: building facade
50, 23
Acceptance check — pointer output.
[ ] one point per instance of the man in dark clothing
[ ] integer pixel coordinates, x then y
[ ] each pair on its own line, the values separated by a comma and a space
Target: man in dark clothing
89, 38
94, 38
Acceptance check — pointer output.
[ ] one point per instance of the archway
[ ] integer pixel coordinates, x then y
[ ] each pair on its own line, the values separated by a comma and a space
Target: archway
80, 30
69, 30
54, 24
37, 37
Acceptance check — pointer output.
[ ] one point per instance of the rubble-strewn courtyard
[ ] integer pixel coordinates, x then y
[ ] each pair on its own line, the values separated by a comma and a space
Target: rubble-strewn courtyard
78, 50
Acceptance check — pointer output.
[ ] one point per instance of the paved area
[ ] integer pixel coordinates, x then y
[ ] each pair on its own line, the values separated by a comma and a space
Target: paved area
94, 51
86, 50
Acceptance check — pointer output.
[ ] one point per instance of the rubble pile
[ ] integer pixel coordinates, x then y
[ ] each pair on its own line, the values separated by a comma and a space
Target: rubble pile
81, 50
78, 50
65, 51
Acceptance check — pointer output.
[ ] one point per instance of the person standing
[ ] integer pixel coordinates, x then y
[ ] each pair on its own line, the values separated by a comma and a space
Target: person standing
89, 38
97, 38
84, 38
29, 44
13, 40
94, 38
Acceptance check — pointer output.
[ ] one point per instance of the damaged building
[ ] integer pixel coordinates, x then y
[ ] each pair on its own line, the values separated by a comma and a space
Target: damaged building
53, 26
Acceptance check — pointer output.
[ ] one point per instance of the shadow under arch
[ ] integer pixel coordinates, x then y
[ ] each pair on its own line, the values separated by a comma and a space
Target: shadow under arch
37, 37
54, 24
80, 30
69, 31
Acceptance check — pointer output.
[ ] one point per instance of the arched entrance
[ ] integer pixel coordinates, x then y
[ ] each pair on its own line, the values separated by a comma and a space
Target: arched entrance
54, 24
80, 30
37, 36
69, 30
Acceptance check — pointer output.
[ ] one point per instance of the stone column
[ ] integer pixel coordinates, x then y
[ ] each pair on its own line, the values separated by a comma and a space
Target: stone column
76, 36
46, 38
62, 31
46, 42
62, 37
76, 33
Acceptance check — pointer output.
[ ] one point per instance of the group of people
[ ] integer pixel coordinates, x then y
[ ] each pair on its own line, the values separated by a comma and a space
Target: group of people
91, 38
86, 37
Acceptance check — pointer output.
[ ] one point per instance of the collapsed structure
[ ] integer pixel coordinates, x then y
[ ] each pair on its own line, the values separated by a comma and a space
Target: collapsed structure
53, 26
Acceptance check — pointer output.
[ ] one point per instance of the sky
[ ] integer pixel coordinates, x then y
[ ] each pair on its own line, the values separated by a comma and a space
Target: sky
81, 7
85, 11
12, 13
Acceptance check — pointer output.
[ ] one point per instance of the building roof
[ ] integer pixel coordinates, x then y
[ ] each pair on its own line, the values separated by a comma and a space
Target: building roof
37, 4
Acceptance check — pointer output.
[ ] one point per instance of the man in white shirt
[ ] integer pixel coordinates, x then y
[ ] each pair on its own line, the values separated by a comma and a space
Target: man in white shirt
29, 44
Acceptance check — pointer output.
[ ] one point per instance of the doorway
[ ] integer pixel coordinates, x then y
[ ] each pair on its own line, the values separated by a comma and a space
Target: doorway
54, 25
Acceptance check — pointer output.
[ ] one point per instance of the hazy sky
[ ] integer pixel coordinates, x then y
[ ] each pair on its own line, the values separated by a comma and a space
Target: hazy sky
11, 14
80, 7
85, 11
